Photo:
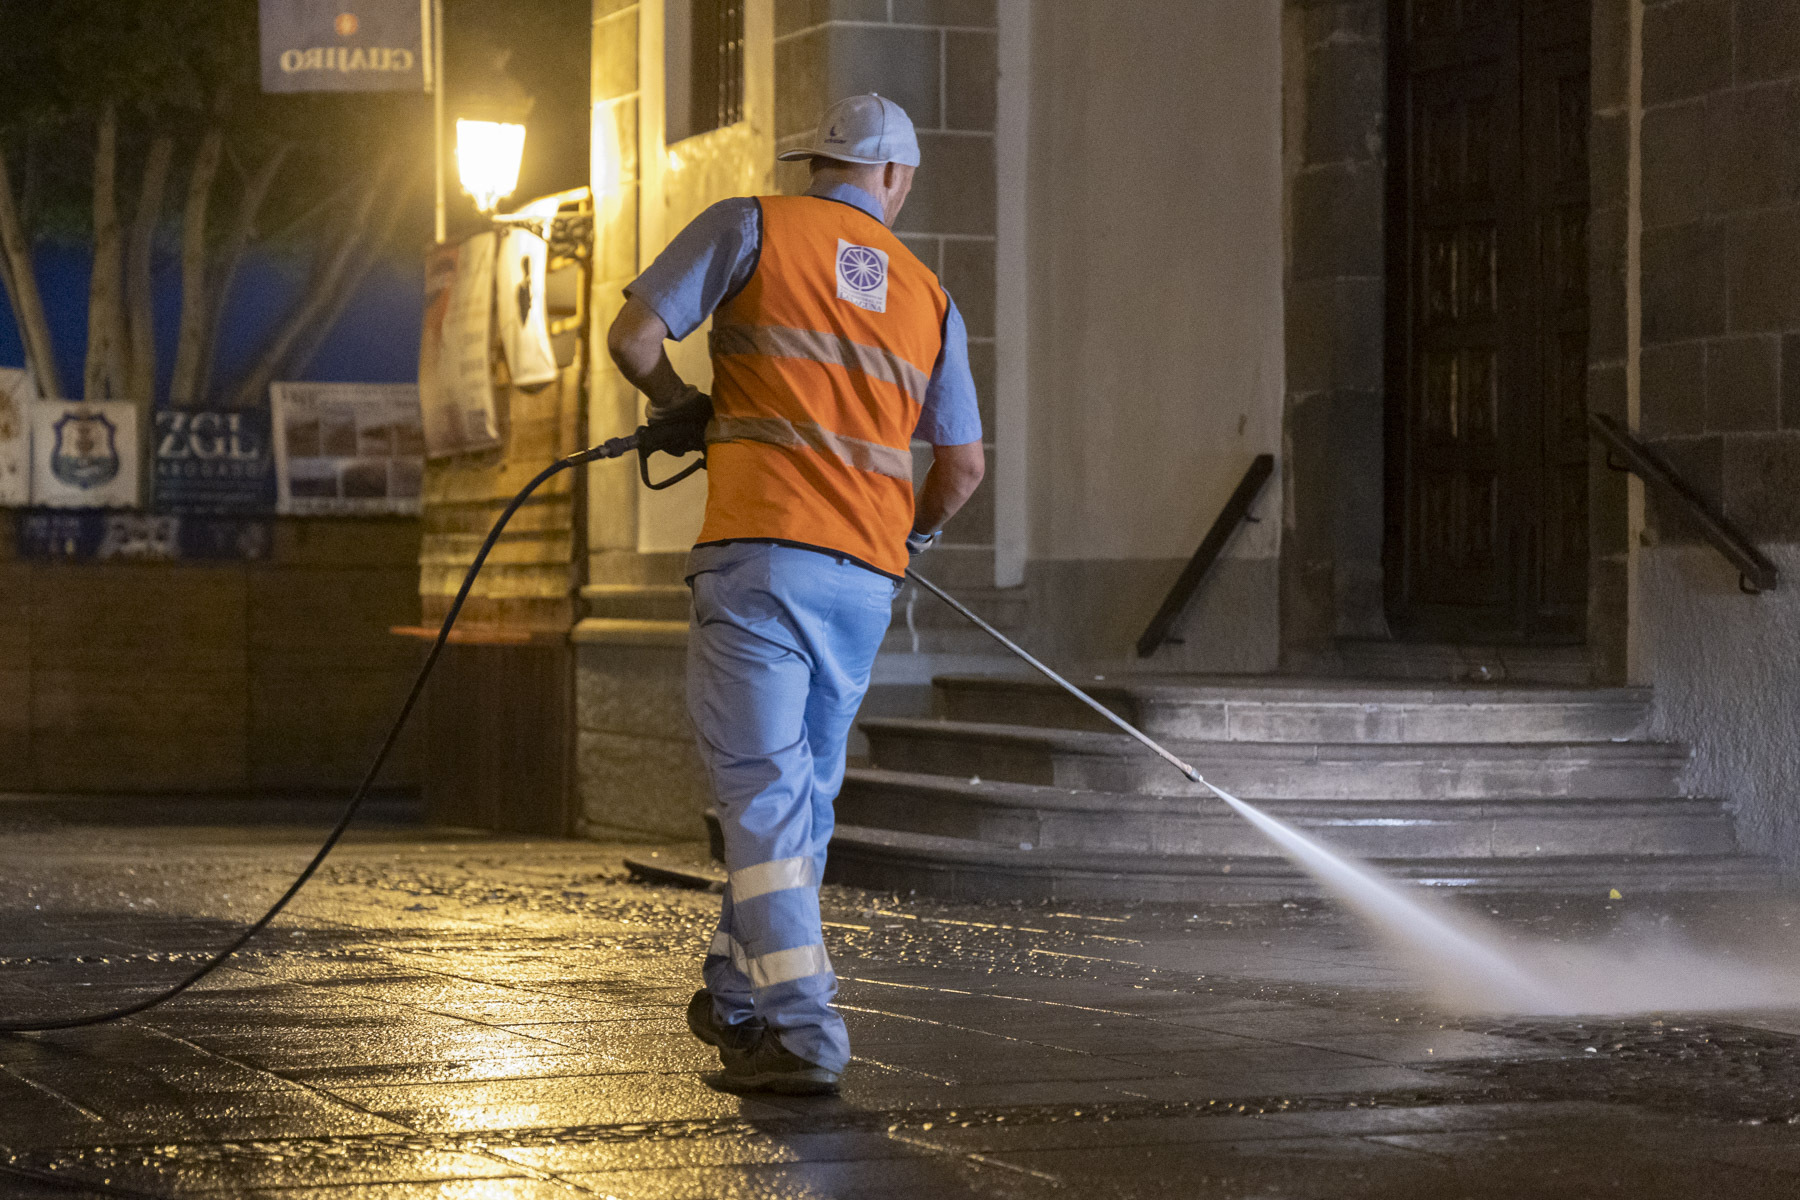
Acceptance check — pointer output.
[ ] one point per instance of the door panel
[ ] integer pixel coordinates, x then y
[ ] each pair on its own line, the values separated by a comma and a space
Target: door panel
1488, 319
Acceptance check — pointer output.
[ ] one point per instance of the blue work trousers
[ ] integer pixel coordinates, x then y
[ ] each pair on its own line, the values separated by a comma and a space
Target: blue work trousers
779, 656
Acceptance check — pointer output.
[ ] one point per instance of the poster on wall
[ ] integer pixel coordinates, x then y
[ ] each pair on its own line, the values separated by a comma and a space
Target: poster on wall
17, 394
213, 460
524, 259
91, 535
347, 449
84, 455
456, 384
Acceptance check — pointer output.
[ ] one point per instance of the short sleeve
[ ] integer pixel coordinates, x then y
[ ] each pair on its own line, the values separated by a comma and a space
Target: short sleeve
952, 412
706, 263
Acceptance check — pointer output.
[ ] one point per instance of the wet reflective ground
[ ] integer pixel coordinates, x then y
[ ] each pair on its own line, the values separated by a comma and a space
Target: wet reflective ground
466, 1017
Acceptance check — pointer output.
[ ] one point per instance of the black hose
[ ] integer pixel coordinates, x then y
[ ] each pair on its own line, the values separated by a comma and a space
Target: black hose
615, 448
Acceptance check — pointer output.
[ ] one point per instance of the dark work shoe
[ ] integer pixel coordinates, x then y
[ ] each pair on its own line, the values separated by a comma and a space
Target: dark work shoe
769, 1066
704, 1022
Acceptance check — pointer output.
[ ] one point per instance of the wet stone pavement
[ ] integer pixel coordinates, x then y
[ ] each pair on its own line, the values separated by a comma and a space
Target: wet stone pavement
459, 1016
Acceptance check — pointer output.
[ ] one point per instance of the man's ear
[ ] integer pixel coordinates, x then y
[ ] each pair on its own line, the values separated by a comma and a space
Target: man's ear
890, 175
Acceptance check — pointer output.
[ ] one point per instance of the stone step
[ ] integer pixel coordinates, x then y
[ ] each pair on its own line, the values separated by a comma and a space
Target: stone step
956, 868
1044, 818
1281, 710
1107, 762
639, 602
1481, 664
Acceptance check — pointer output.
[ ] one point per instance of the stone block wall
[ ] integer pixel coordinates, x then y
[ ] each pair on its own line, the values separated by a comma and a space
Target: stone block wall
938, 60
1336, 164
1721, 257
1718, 386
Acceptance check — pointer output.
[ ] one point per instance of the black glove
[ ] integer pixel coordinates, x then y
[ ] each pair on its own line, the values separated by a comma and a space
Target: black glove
688, 406
678, 428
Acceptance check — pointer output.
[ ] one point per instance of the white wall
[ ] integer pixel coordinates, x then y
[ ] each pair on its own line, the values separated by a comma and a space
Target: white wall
1156, 266
1723, 665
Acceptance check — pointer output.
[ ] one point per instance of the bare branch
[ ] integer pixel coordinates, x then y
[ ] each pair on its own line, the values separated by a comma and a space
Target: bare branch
318, 209
312, 339
105, 372
194, 306
139, 309
231, 254
316, 302
22, 290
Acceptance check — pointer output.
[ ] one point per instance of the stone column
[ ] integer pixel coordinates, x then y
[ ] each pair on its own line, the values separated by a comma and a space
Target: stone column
1612, 165
1331, 583
612, 403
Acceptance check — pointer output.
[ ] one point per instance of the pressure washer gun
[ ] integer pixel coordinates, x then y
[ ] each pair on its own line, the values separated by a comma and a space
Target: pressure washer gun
678, 434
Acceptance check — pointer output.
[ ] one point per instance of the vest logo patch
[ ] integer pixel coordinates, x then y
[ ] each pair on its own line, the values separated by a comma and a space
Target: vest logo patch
862, 276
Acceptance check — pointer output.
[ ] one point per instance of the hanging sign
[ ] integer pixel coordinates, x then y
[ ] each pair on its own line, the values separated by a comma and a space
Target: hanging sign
343, 46
16, 397
214, 460
524, 259
456, 382
91, 535
84, 455
347, 449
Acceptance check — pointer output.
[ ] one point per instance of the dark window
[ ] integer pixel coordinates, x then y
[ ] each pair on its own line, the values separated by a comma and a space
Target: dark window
704, 66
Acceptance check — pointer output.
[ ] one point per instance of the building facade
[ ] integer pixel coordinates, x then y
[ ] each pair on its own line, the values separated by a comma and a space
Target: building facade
1404, 246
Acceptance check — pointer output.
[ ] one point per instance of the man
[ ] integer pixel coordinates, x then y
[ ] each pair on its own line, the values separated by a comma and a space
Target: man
833, 347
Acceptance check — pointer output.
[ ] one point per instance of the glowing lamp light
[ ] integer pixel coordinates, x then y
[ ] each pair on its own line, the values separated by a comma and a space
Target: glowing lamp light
488, 154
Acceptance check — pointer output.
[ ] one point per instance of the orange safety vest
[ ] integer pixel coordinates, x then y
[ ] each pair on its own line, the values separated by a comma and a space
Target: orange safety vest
820, 364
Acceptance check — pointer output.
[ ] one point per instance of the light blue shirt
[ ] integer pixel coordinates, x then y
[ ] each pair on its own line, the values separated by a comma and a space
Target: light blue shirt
715, 256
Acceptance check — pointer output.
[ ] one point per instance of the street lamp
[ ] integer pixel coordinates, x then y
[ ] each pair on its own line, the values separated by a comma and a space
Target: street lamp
490, 133
487, 160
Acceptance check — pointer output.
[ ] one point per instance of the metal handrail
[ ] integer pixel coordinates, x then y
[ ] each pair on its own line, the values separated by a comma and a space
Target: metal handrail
1236, 510
1755, 572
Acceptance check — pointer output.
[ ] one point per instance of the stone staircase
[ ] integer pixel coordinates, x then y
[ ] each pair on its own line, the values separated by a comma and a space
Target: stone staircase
1016, 791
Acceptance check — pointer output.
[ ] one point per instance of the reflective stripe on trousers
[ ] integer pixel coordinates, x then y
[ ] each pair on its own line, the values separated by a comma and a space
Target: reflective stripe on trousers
778, 660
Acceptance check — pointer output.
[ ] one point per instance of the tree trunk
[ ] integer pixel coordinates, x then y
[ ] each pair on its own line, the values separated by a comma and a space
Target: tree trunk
224, 270
22, 290
105, 373
315, 303
183, 392
140, 314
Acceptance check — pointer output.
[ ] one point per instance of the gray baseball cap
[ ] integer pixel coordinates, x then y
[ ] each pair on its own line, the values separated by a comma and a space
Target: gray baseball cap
863, 129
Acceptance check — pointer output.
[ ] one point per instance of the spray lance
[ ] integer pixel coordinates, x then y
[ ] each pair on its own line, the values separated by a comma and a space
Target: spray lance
678, 437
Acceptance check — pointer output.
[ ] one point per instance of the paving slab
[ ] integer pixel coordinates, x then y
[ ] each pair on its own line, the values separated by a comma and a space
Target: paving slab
448, 1015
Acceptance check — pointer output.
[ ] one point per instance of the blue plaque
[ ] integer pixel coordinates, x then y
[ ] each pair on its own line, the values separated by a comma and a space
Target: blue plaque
343, 45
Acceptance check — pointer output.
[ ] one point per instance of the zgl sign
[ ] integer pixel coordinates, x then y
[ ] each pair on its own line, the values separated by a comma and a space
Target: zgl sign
343, 46
214, 460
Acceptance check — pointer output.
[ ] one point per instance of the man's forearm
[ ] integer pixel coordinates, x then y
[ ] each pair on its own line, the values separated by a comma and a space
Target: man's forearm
636, 344
955, 473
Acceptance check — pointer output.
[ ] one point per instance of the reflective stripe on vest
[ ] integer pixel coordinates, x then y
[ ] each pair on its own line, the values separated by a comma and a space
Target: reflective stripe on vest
779, 431
776, 341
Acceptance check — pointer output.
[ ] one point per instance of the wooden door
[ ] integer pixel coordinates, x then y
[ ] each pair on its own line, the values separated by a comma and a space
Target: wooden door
1487, 322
